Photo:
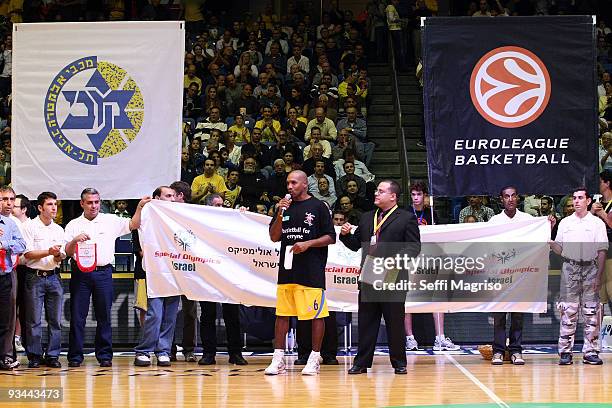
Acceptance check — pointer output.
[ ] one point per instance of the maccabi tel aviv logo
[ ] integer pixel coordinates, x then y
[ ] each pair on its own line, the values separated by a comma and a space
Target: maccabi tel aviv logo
93, 110
510, 87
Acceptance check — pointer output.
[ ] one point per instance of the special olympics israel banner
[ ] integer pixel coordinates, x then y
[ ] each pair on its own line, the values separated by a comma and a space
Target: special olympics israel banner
510, 101
222, 255
97, 104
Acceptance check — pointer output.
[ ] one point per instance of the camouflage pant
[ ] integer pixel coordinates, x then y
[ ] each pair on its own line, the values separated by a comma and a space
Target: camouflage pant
578, 290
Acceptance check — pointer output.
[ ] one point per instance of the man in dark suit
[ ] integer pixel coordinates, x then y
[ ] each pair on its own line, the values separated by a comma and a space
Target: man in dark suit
382, 233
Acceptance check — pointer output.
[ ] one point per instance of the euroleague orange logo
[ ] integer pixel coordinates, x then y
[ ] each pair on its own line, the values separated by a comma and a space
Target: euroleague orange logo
510, 87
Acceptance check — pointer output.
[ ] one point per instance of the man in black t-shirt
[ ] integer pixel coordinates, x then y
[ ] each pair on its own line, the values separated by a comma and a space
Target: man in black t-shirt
304, 228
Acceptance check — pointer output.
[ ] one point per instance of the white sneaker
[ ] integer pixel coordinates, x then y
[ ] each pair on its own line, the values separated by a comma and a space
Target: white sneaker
18, 345
313, 365
498, 359
445, 344
163, 361
411, 344
277, 366
142, 360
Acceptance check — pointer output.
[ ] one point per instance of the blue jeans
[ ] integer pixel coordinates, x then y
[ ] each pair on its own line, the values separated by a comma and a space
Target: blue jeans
158, 329
41, 291
99, 286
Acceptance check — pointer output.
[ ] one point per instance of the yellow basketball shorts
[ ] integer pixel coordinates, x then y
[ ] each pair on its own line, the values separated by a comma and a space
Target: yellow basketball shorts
304, 302
140, 290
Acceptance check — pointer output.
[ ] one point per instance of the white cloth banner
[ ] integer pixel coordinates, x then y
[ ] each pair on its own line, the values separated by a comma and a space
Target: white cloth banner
95, 104
223, 255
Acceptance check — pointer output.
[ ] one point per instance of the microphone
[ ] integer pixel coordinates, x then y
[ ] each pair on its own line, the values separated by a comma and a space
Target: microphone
287, 197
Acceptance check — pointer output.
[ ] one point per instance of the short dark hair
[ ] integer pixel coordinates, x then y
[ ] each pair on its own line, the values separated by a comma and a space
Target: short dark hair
606, 176
44, 196
24, 202
419, 185
582, 188
338, 212
501, 192
183, 188
394, 187
88, 190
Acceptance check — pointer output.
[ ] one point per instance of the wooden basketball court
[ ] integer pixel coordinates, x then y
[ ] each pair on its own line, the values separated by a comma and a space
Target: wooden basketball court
432, 380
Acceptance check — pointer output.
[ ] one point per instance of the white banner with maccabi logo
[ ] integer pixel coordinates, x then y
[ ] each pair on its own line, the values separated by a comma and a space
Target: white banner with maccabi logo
96, 104
222, 255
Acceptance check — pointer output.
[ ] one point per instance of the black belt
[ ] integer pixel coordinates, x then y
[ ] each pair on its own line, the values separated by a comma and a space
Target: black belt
579, 263
42, 273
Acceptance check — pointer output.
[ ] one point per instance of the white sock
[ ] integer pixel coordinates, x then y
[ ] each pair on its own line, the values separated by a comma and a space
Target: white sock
441, 337
410, 337
314, 354
279, 352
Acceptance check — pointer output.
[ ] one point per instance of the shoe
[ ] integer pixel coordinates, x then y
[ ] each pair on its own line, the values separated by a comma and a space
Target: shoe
163, 361
401, 370
330, 361
189, 357
236, 358
498, 359
34, 364
592, 359
106, 363
313, 365
207, 359
357, 370
517, 359
277, 366
411, 344
74, 363
53, 362
142, 360
445, 344
8, 364
18, 345
565, 359
300, 361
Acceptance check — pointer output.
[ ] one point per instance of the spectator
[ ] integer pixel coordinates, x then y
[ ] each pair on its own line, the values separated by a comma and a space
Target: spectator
315, 139
483, 9
190, 77
477, 209
254, 184
233, 189
319, 173
298, 59
323, 192
247, 105
283, 145
317, 154
326, 125
349, 175
187, 170
275, 58
214, 121
192, 103
295, 125
212, 100
290, 164
298, 101
257, 149
269, 126
245, 60
233, 92
207, 183
345, 206
605, 152
277, 182
360, 168
240, 131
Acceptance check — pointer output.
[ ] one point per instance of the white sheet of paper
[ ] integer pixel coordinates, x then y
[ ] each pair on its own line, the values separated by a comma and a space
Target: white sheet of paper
288, 257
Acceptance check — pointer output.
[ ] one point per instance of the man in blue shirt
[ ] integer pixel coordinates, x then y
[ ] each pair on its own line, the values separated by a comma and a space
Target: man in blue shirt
11, 243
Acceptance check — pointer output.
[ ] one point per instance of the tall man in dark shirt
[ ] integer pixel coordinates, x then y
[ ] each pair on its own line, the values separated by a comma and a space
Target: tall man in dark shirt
304, 227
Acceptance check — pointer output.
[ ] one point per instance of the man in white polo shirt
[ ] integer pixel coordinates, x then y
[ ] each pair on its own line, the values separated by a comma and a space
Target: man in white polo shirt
510, 198
582, 242
42, 257
90, 242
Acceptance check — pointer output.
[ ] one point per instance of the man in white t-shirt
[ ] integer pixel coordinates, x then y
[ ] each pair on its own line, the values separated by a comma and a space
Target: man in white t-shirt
510, 198
582, 242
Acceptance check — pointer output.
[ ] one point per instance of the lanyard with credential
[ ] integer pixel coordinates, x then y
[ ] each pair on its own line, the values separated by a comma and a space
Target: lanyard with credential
377, 226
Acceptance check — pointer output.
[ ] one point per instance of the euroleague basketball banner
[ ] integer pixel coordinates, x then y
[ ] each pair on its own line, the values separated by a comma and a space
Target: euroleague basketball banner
98, 105
510, 101
223, 255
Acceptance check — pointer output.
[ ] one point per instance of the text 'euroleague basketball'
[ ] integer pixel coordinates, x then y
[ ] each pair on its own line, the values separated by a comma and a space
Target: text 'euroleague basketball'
512, 98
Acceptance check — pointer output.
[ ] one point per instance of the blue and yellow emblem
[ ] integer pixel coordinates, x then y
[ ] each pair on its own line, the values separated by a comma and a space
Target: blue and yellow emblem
95, 104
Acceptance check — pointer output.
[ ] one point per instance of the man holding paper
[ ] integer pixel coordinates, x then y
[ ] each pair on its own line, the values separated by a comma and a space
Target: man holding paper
382, 234
90, 242
304, 227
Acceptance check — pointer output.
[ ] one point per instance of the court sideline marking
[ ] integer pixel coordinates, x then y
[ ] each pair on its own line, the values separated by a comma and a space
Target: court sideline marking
476, 381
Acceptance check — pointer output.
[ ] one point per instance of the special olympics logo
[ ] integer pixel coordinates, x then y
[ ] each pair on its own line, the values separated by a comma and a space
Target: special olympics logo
184, 238
510, 87
93, 109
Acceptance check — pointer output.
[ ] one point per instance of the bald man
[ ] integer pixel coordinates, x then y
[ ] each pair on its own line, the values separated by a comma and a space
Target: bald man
304, 227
